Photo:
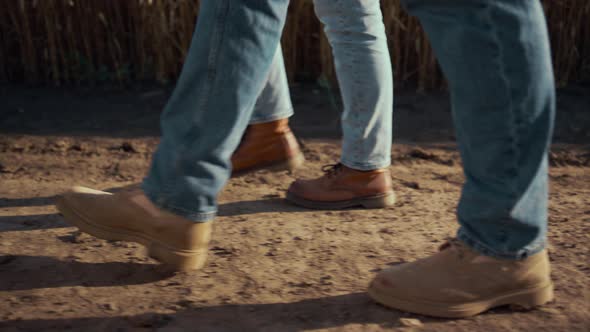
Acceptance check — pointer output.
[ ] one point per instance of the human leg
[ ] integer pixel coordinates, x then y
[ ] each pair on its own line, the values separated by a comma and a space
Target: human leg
274, 101
356, 33
226, 67
496, 57
268, 142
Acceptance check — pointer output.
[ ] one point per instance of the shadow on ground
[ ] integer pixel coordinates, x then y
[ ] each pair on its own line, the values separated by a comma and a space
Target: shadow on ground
31, 222
311, 314
29, 201
17, 273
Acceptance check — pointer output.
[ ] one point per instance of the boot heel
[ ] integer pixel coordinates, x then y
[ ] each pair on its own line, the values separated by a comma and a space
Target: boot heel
289, 165
379, 202
534, 298
177, 260
295, 162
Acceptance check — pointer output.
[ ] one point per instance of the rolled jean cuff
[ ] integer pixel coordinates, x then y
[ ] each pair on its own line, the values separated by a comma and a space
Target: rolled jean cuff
159, 200
481, 248
287, 113
366, 166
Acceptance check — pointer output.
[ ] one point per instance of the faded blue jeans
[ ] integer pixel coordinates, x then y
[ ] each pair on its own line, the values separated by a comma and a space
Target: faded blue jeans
274, 102
356, 33
227, 65
495, 55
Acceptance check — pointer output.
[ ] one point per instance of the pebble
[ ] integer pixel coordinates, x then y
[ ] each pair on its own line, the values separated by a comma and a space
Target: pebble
410, 322
110, 306
551, 311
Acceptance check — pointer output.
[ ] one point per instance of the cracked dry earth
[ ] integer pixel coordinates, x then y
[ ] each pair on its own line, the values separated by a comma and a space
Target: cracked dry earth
272, 266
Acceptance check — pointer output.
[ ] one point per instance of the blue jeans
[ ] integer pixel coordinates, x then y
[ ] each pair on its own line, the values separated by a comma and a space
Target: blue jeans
356, 33
495, 55
274, 102
229, 60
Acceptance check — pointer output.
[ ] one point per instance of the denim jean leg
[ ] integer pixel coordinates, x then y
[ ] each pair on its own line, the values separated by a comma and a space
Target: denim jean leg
356, 33
274, 102
230, 56
496, 57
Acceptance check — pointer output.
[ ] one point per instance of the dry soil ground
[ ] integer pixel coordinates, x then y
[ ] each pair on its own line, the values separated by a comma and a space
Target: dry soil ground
272, 266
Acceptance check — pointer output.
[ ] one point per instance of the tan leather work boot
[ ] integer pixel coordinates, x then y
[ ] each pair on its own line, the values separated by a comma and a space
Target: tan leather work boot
131, 216
342, 187
458, 282
269, 145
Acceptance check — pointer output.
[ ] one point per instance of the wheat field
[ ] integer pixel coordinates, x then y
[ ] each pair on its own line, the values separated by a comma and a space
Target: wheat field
72, 42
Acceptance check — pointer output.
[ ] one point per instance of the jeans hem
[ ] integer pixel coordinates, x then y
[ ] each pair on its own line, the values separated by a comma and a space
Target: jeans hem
487, 251
366, 166
276, 116
160, 201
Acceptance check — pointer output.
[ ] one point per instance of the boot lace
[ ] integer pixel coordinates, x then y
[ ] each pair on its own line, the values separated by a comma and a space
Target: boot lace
332, 169
454, 244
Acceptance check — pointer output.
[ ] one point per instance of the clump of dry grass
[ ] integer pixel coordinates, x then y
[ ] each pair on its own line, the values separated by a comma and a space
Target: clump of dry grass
81, 41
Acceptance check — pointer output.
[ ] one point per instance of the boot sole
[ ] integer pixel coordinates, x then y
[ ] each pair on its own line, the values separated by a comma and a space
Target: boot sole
177, 259
527, 299
368, 202
285, 165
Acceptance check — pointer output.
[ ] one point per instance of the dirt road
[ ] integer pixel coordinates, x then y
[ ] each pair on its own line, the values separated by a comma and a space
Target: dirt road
272, 266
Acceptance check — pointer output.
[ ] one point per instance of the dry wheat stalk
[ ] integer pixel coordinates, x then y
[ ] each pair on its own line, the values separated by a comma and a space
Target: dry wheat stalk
81, 41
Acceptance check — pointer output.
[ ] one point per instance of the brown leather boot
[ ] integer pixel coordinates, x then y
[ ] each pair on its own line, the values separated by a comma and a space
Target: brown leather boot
459, 282
130, 216
269, 145
342, 187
